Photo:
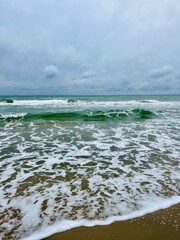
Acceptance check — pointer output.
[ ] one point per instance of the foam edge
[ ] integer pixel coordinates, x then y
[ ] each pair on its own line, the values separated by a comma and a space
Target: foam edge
65, 225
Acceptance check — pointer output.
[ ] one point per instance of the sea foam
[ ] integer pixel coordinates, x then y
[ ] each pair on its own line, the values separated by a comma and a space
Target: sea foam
151, 205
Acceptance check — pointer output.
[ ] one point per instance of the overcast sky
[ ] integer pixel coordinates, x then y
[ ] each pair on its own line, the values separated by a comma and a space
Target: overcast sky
89, 47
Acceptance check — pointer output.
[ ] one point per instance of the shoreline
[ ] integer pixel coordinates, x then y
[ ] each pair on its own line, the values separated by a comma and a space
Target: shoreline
163, 224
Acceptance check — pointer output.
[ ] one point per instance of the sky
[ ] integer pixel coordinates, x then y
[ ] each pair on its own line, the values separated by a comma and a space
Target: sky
89, 47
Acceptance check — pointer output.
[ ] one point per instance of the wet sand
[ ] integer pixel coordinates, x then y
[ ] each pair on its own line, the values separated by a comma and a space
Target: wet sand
160, 225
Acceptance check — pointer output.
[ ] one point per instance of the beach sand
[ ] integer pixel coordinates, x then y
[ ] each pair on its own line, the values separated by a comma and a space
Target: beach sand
161, 225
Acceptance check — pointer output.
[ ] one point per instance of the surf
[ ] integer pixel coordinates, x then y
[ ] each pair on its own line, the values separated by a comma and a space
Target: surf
96, 115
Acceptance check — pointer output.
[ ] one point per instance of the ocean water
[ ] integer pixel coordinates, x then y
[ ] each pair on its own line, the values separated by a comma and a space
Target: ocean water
85, 160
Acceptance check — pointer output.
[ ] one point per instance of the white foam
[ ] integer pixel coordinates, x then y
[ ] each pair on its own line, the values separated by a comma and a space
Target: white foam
54, 103
36, 102
13, 115
151, 205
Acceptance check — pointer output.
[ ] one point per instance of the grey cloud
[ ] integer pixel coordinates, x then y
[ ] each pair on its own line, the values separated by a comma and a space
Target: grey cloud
161, 72
88, 75
91, 73
51, 71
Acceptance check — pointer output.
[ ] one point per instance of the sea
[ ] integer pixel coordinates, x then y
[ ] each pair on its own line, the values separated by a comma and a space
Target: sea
69, 161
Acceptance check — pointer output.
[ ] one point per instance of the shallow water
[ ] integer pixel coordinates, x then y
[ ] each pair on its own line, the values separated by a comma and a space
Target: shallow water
86, 158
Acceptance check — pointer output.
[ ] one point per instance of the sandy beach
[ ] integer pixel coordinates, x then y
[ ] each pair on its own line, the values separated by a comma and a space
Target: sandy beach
161, 225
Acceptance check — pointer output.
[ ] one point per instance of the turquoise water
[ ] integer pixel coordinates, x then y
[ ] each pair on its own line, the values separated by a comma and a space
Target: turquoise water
75, 158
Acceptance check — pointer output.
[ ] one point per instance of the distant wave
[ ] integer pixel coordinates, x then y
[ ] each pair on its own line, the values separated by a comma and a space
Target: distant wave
89, 103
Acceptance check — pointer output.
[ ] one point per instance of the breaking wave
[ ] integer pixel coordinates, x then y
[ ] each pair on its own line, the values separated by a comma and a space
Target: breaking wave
82, 115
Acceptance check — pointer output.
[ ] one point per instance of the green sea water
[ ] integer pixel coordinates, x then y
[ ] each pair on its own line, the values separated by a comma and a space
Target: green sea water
75, 158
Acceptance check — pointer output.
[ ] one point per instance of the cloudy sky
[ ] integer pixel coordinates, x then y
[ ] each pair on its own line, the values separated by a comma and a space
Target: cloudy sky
89, 47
